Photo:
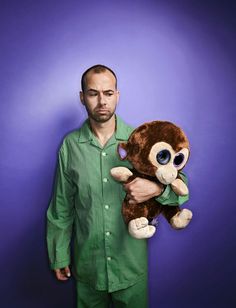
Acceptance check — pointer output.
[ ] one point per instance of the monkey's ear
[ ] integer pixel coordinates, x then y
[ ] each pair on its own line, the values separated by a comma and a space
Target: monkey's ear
122, 150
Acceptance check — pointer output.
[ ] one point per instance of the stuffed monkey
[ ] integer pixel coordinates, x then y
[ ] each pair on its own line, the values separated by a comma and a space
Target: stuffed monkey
157, 150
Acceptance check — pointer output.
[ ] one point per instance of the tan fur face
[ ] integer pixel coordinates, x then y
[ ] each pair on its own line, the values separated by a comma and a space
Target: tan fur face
144, 139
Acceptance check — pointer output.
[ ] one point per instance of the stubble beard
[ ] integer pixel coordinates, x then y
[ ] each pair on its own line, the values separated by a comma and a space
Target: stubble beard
100, 118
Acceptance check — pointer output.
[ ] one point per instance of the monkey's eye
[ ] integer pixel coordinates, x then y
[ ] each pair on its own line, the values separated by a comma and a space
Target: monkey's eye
179, 158
163, 157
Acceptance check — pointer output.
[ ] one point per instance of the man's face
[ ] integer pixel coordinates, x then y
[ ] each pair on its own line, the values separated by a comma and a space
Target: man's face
100, 96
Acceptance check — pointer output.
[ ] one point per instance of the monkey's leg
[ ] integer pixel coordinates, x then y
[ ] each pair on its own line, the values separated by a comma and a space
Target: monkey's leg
140, 229
135, 215
177, 218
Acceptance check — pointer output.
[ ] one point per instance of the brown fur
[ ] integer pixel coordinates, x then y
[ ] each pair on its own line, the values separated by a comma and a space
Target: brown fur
138, 148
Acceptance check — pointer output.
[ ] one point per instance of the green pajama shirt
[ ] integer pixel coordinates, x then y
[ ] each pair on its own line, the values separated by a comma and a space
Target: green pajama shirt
86, 208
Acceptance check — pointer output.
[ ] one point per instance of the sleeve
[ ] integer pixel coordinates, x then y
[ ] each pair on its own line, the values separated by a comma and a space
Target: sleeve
60, 215
170, 198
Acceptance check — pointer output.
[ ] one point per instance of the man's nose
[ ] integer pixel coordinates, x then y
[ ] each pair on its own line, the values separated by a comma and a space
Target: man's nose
101, 99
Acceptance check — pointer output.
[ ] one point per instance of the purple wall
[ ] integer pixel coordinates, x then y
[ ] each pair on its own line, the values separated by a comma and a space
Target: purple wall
175, 60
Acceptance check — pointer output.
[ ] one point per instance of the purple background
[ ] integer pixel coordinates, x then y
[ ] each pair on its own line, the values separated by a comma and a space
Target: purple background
175, 60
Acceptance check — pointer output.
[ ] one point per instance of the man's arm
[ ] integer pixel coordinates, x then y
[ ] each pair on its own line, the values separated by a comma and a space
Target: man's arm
60, 217
140, 190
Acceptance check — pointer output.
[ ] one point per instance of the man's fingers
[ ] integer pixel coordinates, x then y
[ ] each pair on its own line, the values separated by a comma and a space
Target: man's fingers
131, 201
129, 185
67, 271
60, 276
62, 273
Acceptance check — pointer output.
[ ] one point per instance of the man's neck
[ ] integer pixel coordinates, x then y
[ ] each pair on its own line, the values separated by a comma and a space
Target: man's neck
103, 131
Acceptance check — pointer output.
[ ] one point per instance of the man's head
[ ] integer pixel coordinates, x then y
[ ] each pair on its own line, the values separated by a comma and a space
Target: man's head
98, 68
99, 92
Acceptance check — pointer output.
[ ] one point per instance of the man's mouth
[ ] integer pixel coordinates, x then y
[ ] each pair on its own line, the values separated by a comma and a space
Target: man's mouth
102, 110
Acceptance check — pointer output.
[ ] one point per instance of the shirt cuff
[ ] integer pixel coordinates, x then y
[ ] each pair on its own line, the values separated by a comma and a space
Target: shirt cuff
60, 264
165, 194
168, 197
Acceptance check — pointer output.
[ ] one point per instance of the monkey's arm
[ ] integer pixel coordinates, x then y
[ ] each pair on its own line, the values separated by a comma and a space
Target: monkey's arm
169, 197
121, 174
179, 187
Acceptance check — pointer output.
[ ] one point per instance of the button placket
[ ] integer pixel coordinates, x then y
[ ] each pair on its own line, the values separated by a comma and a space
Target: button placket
107, 212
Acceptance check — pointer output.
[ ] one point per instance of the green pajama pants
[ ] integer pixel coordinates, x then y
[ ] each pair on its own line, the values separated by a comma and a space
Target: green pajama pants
131, 297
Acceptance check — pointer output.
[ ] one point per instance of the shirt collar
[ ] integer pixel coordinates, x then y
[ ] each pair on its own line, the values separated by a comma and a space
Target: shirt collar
122, 130
85, 132
121, 133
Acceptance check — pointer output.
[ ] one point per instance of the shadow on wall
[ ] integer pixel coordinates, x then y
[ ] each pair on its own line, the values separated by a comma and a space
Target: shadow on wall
27, 280
31, 282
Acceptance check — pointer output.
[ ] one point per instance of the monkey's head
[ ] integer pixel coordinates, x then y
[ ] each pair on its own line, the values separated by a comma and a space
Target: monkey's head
158, 149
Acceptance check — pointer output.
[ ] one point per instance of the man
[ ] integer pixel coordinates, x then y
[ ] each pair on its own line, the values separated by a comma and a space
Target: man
108, 264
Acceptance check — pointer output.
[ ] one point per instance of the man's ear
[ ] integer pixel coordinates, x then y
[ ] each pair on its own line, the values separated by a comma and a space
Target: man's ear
81, 95
118, 96
122, 150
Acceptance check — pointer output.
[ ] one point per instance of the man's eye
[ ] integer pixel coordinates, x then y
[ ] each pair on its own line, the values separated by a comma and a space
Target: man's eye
92, 94
108, 93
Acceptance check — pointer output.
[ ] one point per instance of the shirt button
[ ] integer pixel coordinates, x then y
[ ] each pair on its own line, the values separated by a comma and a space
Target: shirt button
106, 206
104, 153
108, 258
105, 180
108, 233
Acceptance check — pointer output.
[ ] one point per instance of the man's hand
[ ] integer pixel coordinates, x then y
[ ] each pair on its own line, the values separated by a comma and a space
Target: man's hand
63, 273
140, 190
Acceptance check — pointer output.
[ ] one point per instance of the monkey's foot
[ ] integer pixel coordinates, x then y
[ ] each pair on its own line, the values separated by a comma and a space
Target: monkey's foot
181, 219
140, 229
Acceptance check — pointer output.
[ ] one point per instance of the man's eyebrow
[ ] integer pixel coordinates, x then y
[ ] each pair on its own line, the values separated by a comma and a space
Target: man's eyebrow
93, 90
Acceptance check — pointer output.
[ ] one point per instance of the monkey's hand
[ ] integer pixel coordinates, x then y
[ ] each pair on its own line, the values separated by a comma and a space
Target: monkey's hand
121, 174
179, 187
